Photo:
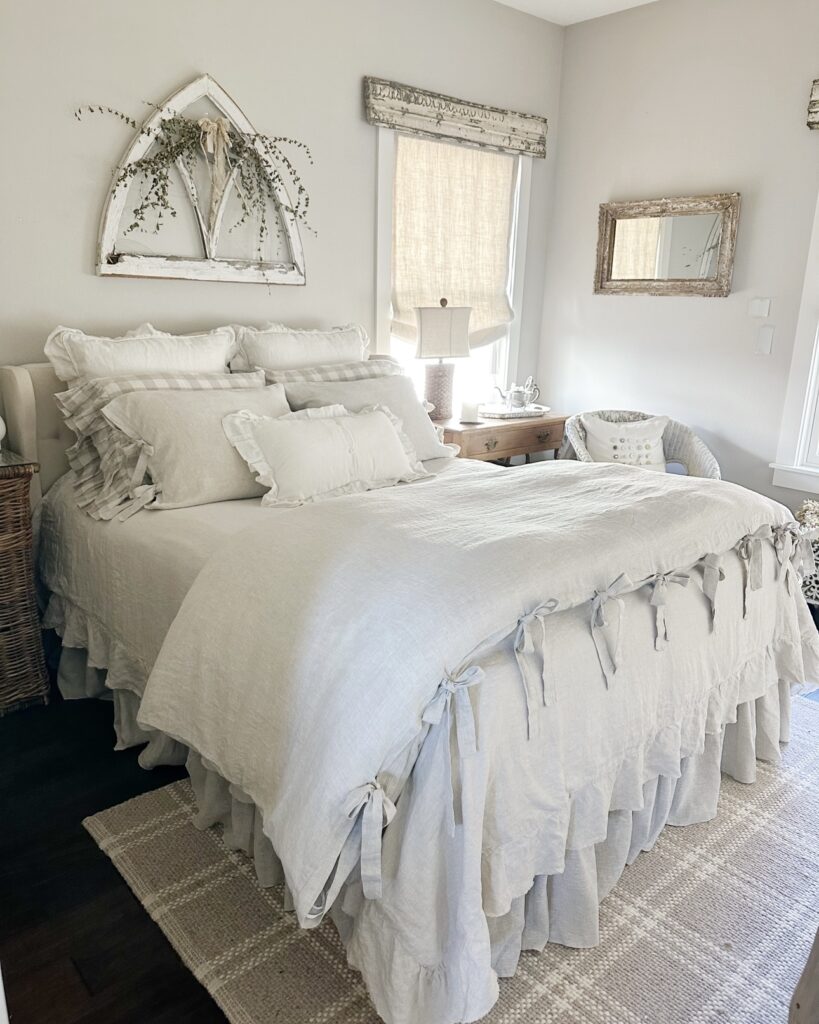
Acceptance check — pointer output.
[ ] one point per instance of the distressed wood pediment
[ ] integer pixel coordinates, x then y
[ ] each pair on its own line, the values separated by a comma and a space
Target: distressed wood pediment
435, 116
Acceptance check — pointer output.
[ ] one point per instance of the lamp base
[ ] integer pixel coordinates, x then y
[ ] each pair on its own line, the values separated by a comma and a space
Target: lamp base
438, 388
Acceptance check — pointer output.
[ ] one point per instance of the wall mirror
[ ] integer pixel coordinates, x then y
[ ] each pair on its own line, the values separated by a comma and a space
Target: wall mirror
667, 246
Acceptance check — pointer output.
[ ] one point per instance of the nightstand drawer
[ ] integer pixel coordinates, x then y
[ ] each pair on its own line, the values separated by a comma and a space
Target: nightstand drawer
504, 440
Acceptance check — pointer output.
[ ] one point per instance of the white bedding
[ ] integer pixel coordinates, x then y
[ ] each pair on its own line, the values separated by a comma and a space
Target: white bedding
297, 703
131, 577
471, 602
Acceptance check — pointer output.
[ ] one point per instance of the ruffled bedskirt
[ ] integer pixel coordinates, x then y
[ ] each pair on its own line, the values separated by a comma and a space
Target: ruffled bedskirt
542, 890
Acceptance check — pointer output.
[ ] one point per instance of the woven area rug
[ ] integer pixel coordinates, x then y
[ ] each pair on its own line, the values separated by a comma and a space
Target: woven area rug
713, 925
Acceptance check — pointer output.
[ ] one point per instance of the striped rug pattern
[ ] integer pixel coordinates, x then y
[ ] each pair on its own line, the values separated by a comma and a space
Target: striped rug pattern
711, 927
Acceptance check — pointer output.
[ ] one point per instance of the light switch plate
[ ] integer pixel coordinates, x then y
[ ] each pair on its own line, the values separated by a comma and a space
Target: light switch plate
759, 307
764, 340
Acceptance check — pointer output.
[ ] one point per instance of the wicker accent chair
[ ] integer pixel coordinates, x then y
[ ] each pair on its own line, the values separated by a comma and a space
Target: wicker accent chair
680, 443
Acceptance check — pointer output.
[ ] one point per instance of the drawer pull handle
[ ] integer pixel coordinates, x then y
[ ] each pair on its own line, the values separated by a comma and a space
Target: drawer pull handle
491, 444
543, 436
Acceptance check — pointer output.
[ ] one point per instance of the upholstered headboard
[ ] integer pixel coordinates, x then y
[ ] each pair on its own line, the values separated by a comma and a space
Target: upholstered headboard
35, 427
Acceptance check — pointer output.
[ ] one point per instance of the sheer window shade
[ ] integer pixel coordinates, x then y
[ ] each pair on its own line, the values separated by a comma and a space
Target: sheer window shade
453, 222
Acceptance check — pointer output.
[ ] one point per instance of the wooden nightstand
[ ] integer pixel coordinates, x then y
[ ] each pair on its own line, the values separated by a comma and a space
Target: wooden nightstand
499, 440
23, 676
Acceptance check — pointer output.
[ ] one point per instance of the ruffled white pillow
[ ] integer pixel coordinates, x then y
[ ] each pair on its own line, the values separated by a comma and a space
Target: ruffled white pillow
77, 356
639, 443
396, 393
322, 453
279, 347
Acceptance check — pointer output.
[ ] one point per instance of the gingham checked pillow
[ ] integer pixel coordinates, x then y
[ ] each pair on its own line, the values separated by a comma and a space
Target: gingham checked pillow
108, 466
365, 369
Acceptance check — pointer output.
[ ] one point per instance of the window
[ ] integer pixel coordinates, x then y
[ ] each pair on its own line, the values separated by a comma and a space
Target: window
448, 228
797, 463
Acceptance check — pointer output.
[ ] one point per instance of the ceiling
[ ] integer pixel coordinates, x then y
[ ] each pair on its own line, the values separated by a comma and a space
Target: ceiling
567, 12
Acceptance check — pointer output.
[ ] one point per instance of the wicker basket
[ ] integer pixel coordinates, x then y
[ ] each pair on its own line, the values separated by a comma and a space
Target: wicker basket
23, 676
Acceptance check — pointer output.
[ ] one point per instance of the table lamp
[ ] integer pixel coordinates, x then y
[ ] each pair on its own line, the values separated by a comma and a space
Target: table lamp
443, 333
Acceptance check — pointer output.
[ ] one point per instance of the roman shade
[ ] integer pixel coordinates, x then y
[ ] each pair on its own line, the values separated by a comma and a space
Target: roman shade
453, 226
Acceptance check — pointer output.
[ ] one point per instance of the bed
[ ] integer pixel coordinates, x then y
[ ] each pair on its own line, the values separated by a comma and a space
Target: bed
447, 714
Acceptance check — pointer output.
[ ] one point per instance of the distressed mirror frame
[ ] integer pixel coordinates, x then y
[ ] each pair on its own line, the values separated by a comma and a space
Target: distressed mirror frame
725, 204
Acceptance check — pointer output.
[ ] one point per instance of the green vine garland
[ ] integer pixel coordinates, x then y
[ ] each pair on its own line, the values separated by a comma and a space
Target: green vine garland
261, 163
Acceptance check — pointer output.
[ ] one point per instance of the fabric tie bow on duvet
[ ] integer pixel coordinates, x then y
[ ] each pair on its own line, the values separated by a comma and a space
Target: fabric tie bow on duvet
377, 811
609, 659
455, 686
525, 648
659, 599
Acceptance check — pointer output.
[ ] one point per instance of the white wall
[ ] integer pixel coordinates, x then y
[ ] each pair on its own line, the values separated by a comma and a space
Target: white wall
686, 97
296, 69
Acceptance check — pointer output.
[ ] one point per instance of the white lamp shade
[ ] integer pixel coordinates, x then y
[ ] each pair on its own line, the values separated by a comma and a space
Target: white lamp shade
443, 332
2, 431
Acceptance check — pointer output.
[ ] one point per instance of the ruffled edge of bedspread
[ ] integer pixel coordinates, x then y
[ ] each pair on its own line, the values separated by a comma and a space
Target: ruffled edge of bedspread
94, 663
536, 889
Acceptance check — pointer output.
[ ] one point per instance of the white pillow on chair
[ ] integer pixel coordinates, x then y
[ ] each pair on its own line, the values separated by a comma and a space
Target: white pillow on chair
638, 443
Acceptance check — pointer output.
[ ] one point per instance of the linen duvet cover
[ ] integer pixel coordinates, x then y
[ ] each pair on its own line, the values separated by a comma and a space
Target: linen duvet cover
462, 706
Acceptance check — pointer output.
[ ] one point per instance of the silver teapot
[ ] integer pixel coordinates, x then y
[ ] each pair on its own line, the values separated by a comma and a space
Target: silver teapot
519, 396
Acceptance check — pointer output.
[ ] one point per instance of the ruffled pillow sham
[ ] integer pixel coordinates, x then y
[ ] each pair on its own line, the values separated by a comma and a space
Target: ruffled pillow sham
76, 356
278, 347
323, 453
184, 451
397, 393
105, 461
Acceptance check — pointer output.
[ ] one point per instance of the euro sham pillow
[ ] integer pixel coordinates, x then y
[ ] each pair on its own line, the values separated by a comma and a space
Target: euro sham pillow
639, 443
187, 458
278, 347
103, 459
323, 453
396, 393
76, 356
362, 369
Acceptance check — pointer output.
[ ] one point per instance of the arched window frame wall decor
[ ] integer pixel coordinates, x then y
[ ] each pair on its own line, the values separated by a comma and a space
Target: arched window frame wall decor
111, 263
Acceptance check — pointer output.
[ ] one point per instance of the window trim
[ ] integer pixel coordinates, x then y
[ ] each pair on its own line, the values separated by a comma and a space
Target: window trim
385, 176
800, 416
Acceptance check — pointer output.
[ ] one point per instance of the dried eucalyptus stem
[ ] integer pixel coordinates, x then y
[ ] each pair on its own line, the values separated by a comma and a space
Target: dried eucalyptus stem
261, 164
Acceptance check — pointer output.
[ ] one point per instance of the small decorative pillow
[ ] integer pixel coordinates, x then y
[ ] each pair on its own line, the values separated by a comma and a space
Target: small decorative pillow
365, 369
322, 453
187, 456
278, 347
639, 443
397, 393
76, 356
103, 460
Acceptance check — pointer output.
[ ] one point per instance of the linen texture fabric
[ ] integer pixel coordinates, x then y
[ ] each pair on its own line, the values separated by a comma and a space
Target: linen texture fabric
453, 224
362, 369
76, 356
639, 443
104, 460
278, 347
188, 459
511, 731
323, 453
397, 393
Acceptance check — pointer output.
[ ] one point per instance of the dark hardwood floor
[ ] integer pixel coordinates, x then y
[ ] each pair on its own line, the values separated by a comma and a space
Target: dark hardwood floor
75, 945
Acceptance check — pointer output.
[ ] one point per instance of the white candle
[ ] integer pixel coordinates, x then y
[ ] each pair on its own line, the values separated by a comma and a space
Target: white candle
469, 412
